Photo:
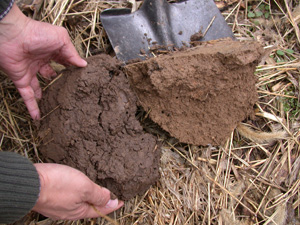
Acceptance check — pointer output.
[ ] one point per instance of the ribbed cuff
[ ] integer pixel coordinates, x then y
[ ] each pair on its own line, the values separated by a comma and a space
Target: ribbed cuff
5, 7
19, 186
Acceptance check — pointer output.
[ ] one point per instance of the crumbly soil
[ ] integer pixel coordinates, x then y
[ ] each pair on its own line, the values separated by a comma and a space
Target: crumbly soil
201, 94
94, 128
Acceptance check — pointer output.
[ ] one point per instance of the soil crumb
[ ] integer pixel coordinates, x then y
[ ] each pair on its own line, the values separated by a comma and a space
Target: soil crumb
94, 128
197, 36
199, 95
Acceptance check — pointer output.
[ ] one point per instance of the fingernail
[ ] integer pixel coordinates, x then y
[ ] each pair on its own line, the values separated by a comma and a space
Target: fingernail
84, 63
112, 203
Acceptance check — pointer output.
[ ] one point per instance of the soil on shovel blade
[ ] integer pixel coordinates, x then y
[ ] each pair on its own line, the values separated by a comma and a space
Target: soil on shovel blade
94, 128
201, 94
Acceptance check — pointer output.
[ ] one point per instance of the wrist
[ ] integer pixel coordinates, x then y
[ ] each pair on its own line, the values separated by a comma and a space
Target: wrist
12, 24
41, 198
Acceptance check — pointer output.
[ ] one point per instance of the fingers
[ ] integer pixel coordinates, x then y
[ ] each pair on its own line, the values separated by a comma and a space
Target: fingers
71, 56
47, 71
69, 53
36, 87
28, 96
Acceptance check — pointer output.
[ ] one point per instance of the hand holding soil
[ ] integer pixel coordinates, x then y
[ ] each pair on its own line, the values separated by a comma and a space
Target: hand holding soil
26, 47
66, 193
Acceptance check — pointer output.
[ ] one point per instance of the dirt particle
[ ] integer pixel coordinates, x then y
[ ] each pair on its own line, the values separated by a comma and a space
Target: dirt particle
142, 51
113, 196
197, 36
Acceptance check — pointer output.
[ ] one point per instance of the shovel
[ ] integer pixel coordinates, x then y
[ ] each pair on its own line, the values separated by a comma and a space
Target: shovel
158, 22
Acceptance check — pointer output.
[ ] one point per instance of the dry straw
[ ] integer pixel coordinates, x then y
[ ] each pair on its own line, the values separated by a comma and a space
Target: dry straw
252, 179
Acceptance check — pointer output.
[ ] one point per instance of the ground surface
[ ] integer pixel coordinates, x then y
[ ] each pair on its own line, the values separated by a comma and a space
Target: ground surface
95, 129
199, 95
243, 181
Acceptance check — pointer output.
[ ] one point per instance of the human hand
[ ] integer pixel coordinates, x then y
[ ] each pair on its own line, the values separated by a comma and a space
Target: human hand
26, 47
66, 193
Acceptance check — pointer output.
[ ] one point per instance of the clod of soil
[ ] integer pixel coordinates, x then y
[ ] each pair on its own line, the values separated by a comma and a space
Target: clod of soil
94, 128
199, 95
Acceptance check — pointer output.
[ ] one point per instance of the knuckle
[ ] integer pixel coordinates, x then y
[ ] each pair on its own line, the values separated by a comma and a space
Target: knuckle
86, 190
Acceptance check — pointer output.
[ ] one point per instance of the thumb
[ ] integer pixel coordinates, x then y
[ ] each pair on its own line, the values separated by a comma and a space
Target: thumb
99, 196
101, 203
94, 212
112, 205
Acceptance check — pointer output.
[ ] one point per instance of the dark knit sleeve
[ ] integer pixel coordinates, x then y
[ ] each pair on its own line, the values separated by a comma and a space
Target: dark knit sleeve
5, 6
19, 186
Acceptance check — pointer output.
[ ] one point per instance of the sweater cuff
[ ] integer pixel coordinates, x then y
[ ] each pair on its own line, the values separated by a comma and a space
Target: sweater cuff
19, 186
5, 6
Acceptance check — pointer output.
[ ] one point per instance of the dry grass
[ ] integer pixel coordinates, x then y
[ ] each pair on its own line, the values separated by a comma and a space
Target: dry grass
246, 181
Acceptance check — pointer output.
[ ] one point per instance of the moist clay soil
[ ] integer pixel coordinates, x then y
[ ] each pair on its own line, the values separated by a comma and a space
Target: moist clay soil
93, 128
201, 94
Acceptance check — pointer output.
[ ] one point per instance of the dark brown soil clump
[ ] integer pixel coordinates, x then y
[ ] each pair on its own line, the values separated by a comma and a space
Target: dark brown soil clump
200, 95
197, 36
95, 130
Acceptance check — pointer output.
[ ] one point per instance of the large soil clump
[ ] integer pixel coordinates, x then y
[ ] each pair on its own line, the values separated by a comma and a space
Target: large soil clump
200, 95
93, 128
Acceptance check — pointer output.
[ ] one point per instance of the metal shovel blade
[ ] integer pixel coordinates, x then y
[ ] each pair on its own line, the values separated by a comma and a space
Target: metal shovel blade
162, 23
